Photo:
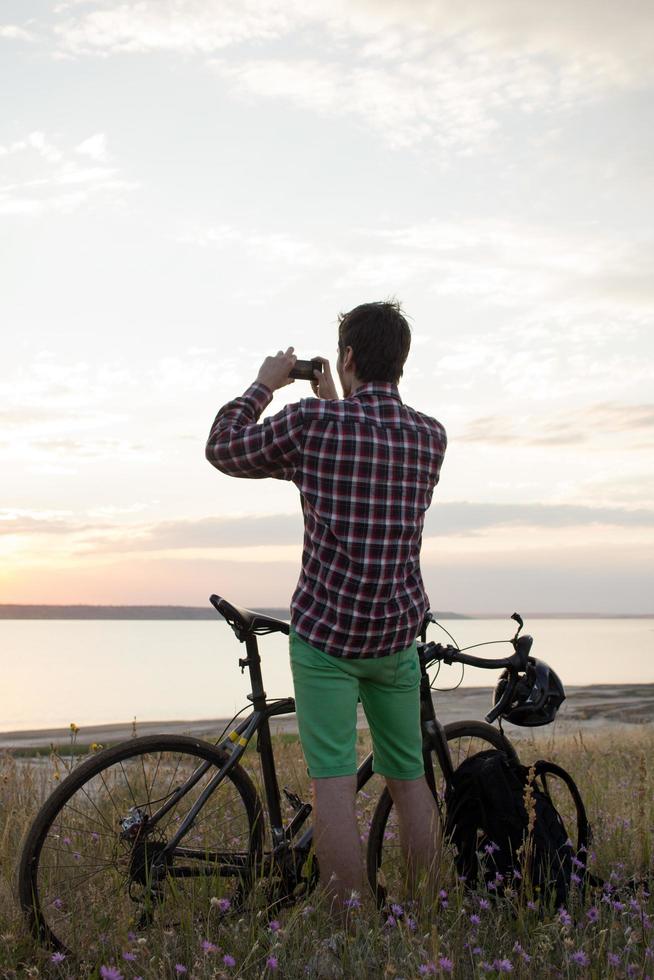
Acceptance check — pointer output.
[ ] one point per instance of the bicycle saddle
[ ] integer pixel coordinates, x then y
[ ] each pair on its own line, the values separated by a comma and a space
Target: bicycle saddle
245, 622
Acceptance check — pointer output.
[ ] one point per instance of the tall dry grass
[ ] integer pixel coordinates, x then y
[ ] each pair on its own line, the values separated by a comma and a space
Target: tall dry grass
606, 934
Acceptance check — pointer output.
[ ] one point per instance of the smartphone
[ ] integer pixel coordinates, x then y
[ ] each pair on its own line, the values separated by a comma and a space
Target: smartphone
303, 370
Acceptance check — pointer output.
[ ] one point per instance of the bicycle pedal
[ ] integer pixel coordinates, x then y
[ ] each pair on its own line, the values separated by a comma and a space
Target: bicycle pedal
294, 800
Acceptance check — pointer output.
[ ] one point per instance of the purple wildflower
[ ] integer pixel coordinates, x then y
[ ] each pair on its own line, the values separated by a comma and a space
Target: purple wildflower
532, 906
130, 957
484, 904
613, 959
517, 948
229, 960
274, 926
57, 958
503, 966
223, 904
208, 947
110, 973
475, 919
580, 958
446, 964
391, 921
565, 917
397, 910
271, 962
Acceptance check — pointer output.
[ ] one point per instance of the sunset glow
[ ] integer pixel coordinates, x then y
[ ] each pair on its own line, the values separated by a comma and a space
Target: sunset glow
182, 193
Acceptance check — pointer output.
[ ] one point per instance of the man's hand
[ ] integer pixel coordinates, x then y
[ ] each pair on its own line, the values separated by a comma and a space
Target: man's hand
275, 370
323, 386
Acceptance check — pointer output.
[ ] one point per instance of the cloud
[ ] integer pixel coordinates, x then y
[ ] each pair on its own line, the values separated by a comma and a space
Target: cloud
413, 71
94, 147
37, 176
280, 530
595, 422
27, 523
15, 32
273, 246
608, 41
192, 27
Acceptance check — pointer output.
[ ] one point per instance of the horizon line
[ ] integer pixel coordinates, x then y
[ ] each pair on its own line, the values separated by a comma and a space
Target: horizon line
172, 611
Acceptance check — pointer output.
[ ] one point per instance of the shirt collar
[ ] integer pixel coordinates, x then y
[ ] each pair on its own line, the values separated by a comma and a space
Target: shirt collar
378, 389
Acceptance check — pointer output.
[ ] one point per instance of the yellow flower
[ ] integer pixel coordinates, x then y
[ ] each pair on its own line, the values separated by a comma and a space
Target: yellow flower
74, 728
95, 746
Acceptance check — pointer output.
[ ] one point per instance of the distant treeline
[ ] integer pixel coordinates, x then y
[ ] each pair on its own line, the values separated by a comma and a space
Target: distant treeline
119, 612
207, 612
137, 612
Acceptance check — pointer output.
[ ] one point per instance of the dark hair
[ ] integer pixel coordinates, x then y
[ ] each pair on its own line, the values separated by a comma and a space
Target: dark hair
379, 336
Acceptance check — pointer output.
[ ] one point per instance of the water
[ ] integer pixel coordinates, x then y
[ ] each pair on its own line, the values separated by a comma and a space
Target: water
98, 672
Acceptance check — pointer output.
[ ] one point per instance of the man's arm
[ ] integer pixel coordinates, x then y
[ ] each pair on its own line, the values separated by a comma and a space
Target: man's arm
238, 446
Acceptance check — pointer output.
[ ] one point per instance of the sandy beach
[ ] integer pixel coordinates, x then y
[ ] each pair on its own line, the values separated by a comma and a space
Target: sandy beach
594, 707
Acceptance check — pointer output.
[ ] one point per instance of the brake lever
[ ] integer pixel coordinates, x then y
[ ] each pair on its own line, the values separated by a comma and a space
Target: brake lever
518, 618
504, 701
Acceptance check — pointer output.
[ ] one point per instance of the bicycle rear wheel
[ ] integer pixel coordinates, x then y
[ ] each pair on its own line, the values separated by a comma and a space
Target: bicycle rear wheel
385, 863
93, 868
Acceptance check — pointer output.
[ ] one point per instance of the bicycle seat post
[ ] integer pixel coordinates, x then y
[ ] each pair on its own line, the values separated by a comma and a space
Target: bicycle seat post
253, 662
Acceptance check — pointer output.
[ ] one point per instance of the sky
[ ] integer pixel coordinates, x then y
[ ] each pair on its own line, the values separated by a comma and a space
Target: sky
188, 186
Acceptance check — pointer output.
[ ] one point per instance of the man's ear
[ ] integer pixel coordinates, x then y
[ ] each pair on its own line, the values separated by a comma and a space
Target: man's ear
348, 359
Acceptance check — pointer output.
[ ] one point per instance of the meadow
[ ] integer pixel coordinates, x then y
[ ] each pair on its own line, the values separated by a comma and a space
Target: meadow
607, 932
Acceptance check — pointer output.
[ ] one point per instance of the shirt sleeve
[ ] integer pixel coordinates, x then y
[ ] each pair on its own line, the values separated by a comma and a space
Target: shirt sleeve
239, 446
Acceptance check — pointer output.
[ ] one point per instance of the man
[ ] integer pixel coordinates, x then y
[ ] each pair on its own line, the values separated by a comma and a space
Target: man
366, 466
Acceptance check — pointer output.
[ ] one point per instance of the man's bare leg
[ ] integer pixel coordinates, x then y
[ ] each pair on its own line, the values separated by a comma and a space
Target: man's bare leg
420, 831
336, 839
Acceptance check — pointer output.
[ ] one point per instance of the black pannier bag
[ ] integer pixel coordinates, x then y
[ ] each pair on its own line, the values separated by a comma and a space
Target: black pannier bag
488, 823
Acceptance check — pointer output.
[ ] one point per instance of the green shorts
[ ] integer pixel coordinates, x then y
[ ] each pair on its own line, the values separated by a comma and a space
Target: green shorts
327, 690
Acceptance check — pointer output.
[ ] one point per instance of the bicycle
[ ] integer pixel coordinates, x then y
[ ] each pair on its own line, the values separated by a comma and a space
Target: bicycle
156, 829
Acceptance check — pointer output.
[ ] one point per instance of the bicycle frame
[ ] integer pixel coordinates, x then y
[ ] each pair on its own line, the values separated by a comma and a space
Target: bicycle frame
235, 743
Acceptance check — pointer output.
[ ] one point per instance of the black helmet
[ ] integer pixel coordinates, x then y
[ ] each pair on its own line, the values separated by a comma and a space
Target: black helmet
537, 696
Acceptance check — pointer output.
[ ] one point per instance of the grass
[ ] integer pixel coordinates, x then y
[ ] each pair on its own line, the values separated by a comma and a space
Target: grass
607, 934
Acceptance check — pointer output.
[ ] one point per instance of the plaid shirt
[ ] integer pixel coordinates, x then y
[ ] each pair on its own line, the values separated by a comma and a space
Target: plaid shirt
366, 467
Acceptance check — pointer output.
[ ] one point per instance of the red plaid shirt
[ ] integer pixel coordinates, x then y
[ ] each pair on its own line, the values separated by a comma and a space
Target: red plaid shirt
366, 467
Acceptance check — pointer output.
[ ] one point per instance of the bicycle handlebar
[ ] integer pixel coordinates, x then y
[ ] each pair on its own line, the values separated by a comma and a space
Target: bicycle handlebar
513, 665
452, 655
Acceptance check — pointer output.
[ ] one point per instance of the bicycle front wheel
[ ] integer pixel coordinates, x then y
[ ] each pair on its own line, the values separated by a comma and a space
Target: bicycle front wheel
95, 867
385, 862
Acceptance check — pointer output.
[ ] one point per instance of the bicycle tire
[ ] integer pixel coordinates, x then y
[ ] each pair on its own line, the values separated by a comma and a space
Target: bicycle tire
80, 875
385, 866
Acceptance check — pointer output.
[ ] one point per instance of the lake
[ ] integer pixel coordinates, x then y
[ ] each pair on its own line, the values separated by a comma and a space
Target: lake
56, 672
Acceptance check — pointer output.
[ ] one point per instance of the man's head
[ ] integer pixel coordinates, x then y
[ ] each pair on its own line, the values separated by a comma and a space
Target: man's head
373, 344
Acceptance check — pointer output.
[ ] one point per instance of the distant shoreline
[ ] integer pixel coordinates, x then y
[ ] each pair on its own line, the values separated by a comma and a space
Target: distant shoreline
88, 612
592, 707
